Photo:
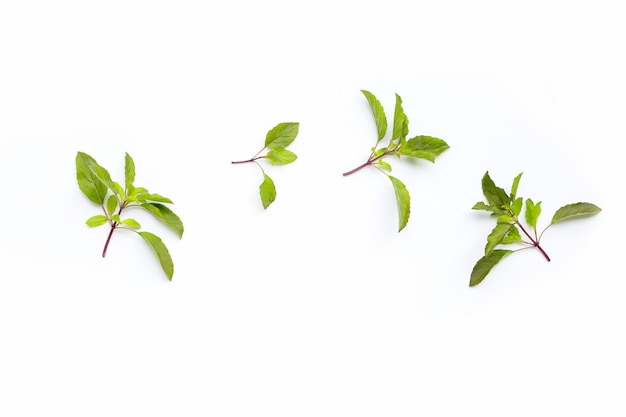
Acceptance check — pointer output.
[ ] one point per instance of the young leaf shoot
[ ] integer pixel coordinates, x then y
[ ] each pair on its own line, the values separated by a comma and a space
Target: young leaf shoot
95, 182
276, 140
421, 147
509, 230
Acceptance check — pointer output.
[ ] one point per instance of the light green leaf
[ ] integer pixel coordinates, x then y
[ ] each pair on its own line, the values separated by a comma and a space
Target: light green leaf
575, 210
129, 171
424, 147
496, 236
379, 114
512, 237
111, 204
485, 264
104, 176
161, 252
167, 216
281, 135
516, 208
532, 213
144, 197
280, 156
95, 221
515, 185
496, 196
116, 218
132, 223
400, 121
505, 218
267, 191
403, 200
88, 181
384, 164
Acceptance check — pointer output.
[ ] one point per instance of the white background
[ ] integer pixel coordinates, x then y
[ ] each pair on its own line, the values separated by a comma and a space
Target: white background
315, 306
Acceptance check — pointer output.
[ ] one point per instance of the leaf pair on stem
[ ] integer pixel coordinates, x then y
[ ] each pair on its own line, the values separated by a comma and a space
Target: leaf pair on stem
95, 182
507, 209
276, 140
421, 147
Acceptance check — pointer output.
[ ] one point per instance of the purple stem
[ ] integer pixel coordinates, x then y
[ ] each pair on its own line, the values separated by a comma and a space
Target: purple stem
535, 242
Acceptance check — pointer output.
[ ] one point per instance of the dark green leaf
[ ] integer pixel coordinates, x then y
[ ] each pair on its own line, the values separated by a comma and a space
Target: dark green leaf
496, 196
403, 200
95, 221
167, 216
496, 236
485, 264
280, 156
424, 147
482, 206
400, 122
379, 114
281, 135
88, 181
129, 171
532, 213
267, 191
575, 210
161, 252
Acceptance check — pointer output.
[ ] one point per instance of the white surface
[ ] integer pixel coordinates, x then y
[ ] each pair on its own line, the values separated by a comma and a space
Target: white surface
316, 306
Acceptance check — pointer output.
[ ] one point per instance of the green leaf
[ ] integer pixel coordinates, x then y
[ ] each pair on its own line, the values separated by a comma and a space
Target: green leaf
88, 181
485, 264
379, 114
505, 218
516, 208
496, 196
167, 216
496, 236
424, 147
575, 210
95, 221
383, 164
482, 206
513, 236
161, 252
280, 156
404, 202
116, 218
267, 191
104, 176
515, 185
400, 121
532, 213
129, 171
281, 135
111, 204
144, 197
132, 223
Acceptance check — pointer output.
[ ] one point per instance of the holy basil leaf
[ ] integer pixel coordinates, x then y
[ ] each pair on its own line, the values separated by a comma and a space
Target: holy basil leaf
88, 181
513, 236
485, 264
575, 210
532, 213
267, 190
111, 204
281, 135
515, 185
403, 200
496, 236
129, 172
132, 223
424, 147
379, 114
167, 216
482, 206
400, 122
97, 220
496, 196
145, 197
161, 252
280, 156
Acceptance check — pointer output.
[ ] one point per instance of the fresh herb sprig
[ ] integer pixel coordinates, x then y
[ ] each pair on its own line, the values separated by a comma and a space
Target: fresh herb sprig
507, 209
276, 140
422, 147
95, 182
